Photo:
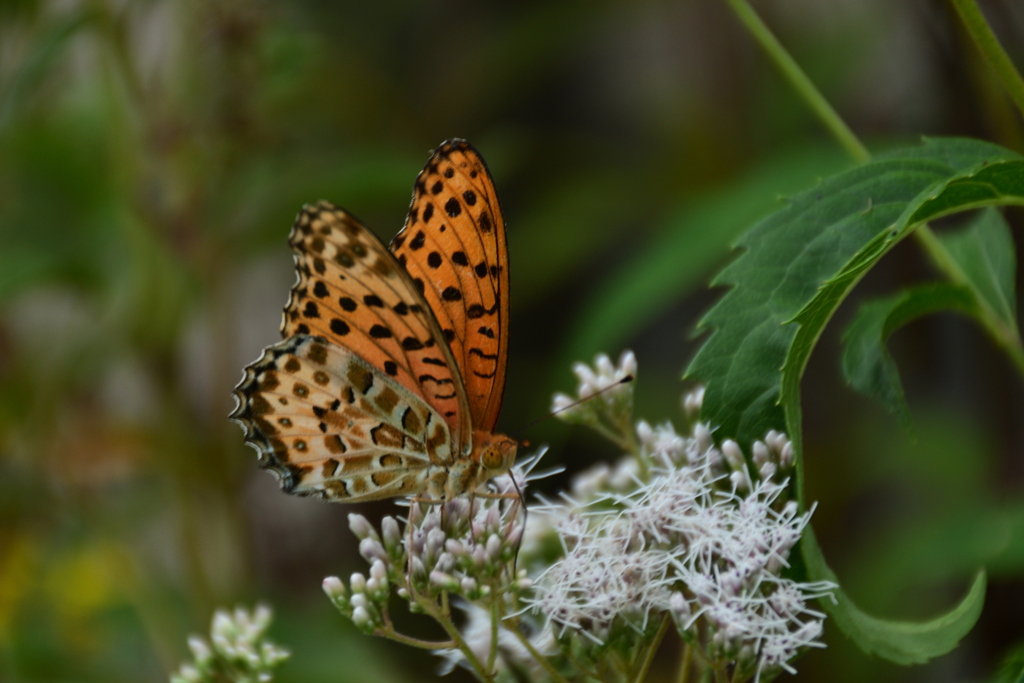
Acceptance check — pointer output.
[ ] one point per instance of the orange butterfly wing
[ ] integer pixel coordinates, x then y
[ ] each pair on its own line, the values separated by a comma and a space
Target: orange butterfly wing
351, 291
453, 245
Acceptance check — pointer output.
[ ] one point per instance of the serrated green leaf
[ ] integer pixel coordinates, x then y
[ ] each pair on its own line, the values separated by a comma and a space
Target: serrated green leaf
798, 266
867, 365
985, 255
902, 642
804, 258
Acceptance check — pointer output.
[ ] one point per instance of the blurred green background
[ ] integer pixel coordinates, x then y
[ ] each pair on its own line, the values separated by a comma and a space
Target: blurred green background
154, 153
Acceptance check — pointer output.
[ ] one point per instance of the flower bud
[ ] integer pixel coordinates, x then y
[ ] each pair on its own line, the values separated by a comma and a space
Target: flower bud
358, 583
361, 618
435, 541
627, 365
786, 455
469, 588
392, 536
418, 570
560, 405
445, 563
479, 557
335, 590
222, 624
760, 453
644, 432
493, 518
371, 549
732, 453
379, 571
261, 617
692, 402
444, 581
493, 548
200, 650
361, 527
187, 674
702, 434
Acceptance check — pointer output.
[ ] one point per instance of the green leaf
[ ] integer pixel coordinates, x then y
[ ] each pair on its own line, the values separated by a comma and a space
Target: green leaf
798, 266
902, 642
867, 365
804, 258
985, 255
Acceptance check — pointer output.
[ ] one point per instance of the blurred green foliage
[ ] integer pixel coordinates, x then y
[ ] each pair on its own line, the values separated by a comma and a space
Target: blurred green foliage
153, 155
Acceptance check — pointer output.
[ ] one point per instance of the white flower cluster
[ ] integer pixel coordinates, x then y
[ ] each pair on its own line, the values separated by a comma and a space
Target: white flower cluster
679, 530
699, 533
463, 548
601, 377
460, 547
610, 388
239, 651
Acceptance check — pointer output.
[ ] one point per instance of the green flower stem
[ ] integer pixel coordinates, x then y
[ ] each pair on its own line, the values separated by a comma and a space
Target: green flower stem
492, 656
415, 642
813, 98
799, 80
431, 609
991, 49
649, 655
541, 659
685, 663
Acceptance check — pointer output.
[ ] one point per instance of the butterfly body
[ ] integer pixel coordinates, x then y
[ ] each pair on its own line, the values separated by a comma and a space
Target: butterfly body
367, 396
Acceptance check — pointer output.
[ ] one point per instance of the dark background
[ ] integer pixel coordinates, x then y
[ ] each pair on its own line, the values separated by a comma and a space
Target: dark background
153, 155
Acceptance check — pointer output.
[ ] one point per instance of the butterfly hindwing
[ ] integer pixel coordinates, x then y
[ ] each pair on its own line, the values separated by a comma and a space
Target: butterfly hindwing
351, 291
453, 245
329, 424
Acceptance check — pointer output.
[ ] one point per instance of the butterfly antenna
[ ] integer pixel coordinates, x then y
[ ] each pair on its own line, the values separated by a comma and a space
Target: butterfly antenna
625, 380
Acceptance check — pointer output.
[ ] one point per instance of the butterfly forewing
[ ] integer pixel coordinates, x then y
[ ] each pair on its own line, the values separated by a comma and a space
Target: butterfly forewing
351, 291
327, 423
453, 246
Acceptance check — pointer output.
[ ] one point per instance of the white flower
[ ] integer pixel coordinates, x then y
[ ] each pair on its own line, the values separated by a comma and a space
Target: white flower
693, 541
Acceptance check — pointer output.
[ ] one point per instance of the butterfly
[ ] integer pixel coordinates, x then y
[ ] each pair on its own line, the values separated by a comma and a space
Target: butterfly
391, 373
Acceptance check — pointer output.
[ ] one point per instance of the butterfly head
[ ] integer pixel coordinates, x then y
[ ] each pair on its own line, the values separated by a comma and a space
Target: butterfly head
497, 454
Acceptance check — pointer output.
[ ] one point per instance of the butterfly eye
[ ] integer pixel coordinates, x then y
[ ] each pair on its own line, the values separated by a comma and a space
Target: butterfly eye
491, 458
